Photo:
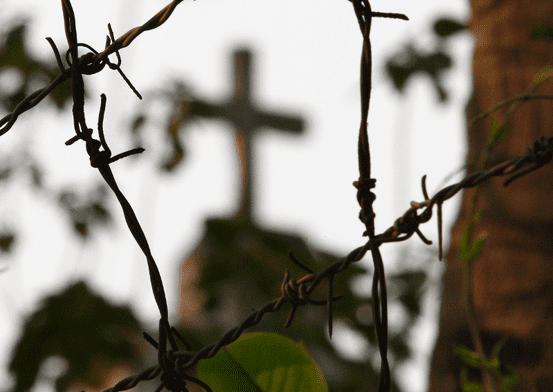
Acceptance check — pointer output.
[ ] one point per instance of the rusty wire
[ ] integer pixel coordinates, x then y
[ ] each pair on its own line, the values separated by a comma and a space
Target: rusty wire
29, 102
296, 292
173, 362
535, 156
100, 158
366, 183
126, 39
94, 59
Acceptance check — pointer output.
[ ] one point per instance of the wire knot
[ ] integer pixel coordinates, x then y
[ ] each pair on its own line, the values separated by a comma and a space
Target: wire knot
294, 290
366, 198
173, 381
297, 294
86, 64
539, 154
407, 223
541, 151
173, 377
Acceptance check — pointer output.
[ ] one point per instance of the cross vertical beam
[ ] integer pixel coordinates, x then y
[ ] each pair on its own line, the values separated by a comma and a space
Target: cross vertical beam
247, 119
244, 128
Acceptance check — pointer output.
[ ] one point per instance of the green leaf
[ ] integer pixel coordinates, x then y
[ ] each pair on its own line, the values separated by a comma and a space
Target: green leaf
470, 250
477, 216
468, 386
476, 248
497, 347
445, 27
541, 32
543, 75
509, 381
497, 133
468, 356
262, 362
500, 134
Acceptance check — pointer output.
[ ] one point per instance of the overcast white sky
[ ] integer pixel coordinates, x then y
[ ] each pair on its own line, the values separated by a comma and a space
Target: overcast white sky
306, 61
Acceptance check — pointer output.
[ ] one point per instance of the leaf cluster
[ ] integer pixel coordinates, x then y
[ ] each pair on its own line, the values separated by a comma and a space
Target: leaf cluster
410, 61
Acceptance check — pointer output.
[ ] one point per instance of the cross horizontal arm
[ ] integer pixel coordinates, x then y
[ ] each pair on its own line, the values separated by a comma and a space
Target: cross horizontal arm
234, 115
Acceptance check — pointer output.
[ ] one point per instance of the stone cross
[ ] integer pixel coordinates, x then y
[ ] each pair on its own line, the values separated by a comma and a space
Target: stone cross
247, 119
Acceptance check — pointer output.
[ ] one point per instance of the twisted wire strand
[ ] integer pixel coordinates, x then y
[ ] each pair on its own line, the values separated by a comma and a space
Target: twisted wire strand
293, 291
126, 39
100, 158
366, 183
537, 155
297, 292
97, 59
174, 362
29, 102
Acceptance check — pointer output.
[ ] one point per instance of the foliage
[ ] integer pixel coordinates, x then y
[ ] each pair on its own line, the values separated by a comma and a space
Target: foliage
410, 61
541, 31
26, 70
230, 260
80, 327
235, 259
240, 265
507, 380
469, 249
262, 362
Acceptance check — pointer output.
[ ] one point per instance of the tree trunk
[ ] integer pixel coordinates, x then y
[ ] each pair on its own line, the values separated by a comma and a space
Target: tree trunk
512, 281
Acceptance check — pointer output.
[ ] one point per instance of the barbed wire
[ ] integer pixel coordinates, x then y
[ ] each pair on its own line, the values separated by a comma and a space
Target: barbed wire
94, 61
297, 291
126, 39
100, 158
538, 154
29, 102
366, 183
174, 362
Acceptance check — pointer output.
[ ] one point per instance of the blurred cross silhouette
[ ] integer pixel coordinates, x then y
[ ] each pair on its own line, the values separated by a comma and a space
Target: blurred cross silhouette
248, 119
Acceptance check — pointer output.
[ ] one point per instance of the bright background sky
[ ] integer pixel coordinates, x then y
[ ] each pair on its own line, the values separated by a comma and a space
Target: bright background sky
306, 62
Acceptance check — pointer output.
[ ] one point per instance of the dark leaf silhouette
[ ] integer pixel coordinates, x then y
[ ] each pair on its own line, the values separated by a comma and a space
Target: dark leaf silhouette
410, 62
79, 326
86, 211
26, 69
447, 27
6, 241
541, 31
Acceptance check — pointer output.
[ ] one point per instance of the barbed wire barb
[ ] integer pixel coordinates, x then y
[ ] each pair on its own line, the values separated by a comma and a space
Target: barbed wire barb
173, 362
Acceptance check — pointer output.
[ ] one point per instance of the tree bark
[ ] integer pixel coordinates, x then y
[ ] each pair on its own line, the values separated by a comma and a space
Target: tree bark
512, 281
